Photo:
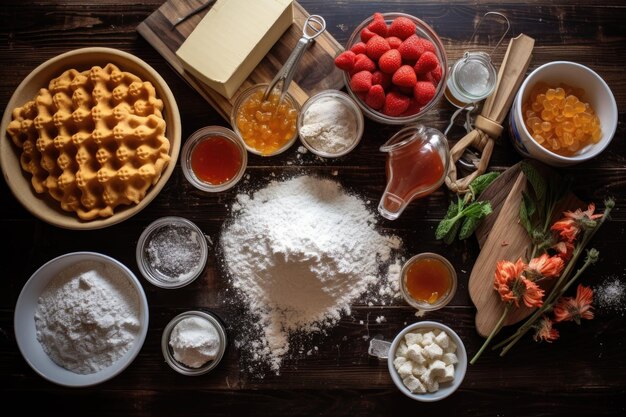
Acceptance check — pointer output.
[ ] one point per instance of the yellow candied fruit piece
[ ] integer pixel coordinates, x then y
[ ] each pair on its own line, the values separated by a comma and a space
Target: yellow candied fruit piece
559, 121
266, 125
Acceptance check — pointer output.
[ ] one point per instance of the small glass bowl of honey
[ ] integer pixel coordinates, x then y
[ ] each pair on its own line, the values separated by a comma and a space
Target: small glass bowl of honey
428, 281
214, 159
268, 127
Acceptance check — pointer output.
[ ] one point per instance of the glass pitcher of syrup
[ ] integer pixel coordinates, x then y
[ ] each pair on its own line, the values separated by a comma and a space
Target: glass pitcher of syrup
417, 164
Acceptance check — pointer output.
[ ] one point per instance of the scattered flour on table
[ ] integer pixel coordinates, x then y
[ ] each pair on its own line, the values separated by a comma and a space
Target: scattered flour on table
300, 252
611, 295
87, 317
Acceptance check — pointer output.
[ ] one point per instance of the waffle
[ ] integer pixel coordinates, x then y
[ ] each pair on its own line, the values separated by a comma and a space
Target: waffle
93, 140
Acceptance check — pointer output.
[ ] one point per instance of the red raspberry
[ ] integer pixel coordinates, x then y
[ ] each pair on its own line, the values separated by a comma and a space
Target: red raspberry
366, 35
436, 74
414, 108
376, 47
423, 92
345, 60
390, 61
378, 25
402, 28
363, 63
395, 104
404, 76
426, 63
379, 77
376, 97
428, 45
361, 82
359, 48
394, 42
411, 49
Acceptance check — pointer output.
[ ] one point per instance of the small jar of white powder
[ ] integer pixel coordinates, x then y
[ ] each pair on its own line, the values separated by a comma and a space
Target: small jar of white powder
330, 124
171, 252
193, 342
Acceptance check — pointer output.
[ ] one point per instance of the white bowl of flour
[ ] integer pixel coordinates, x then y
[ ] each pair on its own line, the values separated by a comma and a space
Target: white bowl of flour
81, 319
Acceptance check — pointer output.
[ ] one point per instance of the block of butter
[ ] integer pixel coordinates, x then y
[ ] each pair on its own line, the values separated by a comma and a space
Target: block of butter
232, 39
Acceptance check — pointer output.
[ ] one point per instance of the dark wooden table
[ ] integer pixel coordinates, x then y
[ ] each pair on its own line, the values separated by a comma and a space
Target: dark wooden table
583, 373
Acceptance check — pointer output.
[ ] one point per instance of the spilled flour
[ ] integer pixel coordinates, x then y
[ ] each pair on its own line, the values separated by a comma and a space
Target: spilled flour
300, 252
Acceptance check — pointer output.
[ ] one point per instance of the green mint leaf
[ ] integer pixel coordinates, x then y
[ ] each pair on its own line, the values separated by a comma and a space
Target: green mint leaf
526, 209
481, 182
535, 179
449, 238
474, 215
444, 228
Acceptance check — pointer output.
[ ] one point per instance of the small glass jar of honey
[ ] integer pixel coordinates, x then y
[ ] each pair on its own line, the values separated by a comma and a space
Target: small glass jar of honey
214, 159
428, 281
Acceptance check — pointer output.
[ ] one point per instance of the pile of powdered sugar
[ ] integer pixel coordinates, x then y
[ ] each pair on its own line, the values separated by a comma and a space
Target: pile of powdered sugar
87, 318
300, 252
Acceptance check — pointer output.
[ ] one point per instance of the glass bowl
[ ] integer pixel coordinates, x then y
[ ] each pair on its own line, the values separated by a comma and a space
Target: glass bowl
198, 137
352, 107
168, 351
423, 30
241, 99
423, 304
159, 266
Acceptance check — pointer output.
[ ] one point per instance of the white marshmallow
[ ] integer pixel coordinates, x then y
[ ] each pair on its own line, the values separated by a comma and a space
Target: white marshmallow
432, 351
449, 358
401, 350
399, 361
412, 338
437, 370
451, 347
443, 340
415, 353
405, 369
448, 375
414, 385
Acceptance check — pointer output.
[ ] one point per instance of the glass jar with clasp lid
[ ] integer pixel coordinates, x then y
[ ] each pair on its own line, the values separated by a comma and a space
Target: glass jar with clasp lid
473, 78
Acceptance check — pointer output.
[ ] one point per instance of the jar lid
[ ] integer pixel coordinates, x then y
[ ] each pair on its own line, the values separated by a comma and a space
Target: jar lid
171, 252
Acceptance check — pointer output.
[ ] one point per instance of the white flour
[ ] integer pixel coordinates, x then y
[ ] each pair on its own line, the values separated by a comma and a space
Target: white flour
300, 252
87, 317
194, 341
329, 125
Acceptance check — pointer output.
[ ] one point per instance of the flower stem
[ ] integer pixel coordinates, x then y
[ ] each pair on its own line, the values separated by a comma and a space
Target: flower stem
495, 331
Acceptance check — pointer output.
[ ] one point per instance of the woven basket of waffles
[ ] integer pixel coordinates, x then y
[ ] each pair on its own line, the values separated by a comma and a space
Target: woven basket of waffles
95, 134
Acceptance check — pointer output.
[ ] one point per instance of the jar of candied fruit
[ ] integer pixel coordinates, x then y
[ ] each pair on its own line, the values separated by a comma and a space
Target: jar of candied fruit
564, 113
267, 127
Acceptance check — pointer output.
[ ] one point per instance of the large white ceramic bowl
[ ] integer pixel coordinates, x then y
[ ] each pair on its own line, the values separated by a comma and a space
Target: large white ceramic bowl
445, 389
42, 205
597, 93
25, 330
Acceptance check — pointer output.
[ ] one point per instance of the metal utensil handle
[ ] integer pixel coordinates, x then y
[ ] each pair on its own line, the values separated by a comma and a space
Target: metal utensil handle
313, 27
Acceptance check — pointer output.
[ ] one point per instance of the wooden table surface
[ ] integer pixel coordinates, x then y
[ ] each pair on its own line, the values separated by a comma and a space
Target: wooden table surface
583, 373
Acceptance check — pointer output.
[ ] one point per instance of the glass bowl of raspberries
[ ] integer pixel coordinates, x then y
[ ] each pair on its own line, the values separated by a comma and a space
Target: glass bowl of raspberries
394, 67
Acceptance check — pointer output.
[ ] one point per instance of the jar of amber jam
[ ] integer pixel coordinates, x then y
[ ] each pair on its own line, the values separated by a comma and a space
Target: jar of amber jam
428, 281
214, 159
267, 127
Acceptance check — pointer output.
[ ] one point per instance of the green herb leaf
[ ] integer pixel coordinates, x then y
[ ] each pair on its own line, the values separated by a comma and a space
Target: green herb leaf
526, 209
480, 210
481, 182
449, 238
535, 179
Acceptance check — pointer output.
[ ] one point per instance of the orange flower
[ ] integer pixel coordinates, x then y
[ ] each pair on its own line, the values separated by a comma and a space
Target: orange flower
564, 250
545, 266
531, 293
513, 287
570, 226
545, 331
570, 308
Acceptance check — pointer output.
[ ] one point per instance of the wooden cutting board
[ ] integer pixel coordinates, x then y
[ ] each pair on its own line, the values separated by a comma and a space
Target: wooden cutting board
501, 237
316, 71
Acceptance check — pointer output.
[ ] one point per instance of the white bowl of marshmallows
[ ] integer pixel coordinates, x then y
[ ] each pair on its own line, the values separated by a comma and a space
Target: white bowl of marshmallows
427, 361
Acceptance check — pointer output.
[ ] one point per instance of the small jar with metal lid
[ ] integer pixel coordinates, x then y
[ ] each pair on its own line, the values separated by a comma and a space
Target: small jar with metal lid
471, 80
171, 252
193, 343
